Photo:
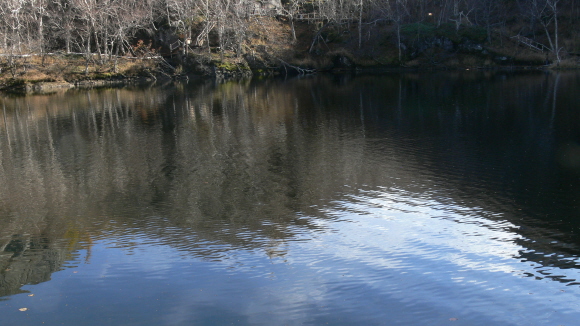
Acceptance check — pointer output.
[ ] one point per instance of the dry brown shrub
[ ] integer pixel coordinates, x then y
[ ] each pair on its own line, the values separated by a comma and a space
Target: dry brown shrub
36, 76
568, 63
341, 52
413, 63
453, 63
319, 62
369, 62
531, 57
471, 61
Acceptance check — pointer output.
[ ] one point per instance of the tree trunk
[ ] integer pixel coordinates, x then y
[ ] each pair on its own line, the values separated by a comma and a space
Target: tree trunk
88, 53
399, 39
293, 30
41, 39
360, 24
555, 10
554, 45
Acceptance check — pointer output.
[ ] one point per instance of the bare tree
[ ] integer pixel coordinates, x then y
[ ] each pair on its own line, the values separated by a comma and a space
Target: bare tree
398, 12
12, 11
38, 13
291, 9
62, 22
489, 14
552, 17
545, 12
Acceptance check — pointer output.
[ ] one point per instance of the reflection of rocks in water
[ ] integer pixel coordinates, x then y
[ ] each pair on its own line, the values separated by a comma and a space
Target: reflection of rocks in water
28, 260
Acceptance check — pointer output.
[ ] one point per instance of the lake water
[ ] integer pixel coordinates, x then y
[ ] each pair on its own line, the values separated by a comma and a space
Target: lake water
404, 199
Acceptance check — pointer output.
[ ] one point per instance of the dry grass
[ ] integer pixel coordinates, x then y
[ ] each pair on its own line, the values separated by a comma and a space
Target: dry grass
569, 63
68, 68
413, 63
314, 62
268, 35
471, 61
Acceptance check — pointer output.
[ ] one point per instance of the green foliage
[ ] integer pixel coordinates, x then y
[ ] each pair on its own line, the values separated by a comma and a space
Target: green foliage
104, 75
227, 66
449, 31
418, 30
230, 66
476, 34
15, 82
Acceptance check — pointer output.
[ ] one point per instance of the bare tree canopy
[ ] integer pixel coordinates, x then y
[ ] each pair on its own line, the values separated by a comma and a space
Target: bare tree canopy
105, 29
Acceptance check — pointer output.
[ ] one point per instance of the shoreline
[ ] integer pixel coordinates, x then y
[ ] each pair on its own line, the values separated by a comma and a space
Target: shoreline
26, 87
42, 87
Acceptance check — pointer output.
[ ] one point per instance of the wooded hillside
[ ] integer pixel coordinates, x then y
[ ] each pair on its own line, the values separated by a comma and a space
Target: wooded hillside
263, 34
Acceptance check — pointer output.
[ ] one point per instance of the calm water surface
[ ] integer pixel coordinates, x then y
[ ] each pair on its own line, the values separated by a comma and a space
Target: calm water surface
413, 199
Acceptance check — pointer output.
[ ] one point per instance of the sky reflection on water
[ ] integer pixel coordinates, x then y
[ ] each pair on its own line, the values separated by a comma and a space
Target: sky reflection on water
379, 200
403, 265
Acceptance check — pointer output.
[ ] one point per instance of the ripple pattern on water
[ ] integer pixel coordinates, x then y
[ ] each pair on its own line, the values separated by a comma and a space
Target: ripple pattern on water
391, 200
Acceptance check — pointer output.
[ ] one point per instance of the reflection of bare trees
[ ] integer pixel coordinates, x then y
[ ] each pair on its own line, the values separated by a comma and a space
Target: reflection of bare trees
221, 162
205, 168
